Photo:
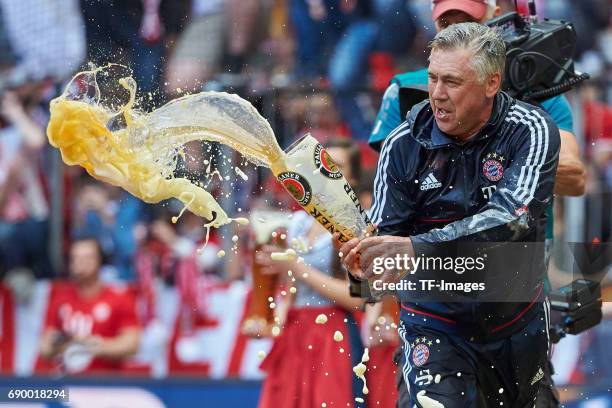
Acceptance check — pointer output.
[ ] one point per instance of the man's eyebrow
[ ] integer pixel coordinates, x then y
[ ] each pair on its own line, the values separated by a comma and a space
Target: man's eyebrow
451, 77
445, 77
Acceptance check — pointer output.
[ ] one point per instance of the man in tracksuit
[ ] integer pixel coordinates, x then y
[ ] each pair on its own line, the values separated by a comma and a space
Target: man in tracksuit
471, 164
406, 89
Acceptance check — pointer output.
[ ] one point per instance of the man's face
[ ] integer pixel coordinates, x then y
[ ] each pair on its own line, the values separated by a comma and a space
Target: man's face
458, 99
84, 260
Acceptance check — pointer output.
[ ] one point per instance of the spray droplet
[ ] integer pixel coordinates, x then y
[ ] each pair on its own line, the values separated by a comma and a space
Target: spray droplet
338, 336
366, 355
241, 174
321, 319
221, 253
288, 255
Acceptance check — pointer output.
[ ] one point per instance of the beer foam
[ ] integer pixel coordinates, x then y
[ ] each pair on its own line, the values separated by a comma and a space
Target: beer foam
299, 245
265, 223
240, 173
139, 151
321, 319
359, 371
427, 402
288, 255
361, 368
366, 355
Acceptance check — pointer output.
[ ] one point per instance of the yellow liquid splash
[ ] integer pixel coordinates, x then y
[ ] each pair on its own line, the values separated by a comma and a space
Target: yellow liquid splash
140, 155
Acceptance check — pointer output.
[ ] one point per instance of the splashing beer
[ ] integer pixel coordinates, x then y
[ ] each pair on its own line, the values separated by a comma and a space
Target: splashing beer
138, 151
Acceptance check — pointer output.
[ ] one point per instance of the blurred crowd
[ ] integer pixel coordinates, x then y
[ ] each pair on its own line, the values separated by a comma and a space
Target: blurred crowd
317, 66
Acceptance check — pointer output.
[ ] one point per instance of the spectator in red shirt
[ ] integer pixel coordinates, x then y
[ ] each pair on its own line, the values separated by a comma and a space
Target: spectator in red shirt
89, 327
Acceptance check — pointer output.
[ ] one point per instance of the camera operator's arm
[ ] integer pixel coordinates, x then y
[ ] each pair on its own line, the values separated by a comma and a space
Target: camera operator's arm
571, 174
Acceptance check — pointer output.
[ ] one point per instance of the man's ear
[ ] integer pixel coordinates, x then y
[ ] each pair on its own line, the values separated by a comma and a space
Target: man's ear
497, 11
493, 85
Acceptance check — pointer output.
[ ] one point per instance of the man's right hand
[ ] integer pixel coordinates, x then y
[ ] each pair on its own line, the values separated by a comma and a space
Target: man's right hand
350, 258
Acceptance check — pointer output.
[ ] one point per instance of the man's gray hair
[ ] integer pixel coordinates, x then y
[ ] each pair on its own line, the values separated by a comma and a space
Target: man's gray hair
486, 44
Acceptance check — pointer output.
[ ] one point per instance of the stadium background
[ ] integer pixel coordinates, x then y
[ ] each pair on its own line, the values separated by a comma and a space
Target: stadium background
317, 66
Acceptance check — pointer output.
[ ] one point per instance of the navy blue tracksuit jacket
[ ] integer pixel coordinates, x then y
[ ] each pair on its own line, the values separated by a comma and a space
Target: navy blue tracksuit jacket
493, 188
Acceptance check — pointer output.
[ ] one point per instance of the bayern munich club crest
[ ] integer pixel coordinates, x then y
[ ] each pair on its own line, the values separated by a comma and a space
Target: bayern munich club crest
325, 164
492, 166
297, 186
420, 354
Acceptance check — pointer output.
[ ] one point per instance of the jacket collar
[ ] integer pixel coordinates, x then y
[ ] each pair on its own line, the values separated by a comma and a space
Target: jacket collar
427, 133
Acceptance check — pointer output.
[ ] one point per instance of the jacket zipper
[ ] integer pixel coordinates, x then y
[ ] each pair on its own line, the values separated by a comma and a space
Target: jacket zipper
473, 306
465, 180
